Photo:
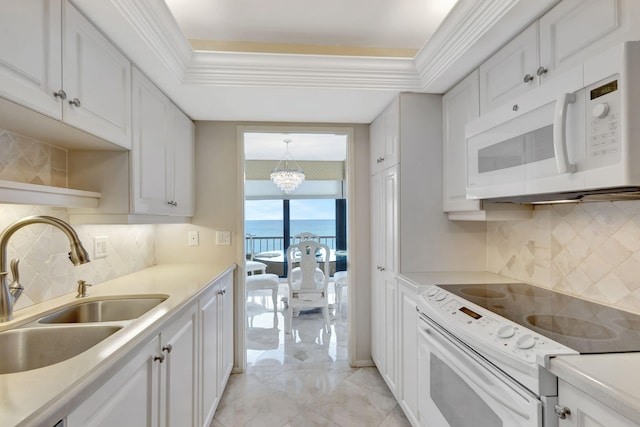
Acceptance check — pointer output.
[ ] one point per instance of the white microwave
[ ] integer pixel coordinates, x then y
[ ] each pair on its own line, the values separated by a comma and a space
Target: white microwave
576, 135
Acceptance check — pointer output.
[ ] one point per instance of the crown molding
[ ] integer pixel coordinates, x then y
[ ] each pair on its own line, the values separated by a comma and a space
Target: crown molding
293, 70
472, 31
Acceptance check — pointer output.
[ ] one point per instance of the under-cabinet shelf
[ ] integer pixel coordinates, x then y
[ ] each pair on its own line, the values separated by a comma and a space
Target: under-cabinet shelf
35, 194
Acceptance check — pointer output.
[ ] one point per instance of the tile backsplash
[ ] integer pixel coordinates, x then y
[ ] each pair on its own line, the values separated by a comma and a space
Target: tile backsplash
27, 160
45, 271
591, 250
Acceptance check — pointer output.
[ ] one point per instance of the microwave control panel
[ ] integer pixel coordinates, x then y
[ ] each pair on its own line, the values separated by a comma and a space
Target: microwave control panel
603, 123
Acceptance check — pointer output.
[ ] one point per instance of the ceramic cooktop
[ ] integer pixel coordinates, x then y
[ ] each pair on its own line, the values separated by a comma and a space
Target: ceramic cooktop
584, 326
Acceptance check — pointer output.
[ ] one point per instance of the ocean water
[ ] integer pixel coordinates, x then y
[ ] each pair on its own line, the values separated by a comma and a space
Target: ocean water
262, 228
274, 228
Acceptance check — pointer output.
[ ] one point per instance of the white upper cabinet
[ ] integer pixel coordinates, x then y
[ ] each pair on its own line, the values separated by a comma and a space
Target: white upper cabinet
566, 36
30, 54
162, 153
511, 71
459, 106
96, 80
385, 138
576, 30
55, 62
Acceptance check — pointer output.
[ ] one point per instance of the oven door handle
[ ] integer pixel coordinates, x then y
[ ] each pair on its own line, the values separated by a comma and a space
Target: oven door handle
481, 379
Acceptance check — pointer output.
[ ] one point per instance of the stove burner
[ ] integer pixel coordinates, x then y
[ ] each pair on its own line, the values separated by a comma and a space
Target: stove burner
570, 326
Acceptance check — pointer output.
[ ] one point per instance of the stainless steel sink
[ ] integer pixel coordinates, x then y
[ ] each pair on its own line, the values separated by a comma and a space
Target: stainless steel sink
105, 310
31, 348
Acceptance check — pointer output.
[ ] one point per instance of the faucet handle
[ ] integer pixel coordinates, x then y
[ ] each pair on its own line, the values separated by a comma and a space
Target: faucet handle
82, 289
15, 287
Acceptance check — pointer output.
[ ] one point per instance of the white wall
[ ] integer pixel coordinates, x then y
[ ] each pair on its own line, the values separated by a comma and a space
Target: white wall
218, 197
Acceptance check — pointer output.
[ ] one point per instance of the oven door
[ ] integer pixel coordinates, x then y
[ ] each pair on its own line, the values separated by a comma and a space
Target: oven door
457, 388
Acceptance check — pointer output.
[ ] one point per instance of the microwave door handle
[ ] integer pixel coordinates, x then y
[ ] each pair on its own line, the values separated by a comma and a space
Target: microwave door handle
560, 133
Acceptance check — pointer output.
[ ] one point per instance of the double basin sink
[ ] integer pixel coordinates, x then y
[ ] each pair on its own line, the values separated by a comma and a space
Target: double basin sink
69, 331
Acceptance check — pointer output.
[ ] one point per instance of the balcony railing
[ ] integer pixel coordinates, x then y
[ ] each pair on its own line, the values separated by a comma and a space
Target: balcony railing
257, 244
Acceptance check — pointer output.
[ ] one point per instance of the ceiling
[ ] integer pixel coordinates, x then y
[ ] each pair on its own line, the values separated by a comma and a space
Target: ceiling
286, 61
302, 146
393, 24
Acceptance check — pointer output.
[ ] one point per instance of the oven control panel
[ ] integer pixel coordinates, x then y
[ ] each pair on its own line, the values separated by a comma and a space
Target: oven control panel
482, 329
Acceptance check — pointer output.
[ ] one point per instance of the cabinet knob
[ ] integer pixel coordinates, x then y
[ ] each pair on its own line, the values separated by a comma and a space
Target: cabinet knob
60, 94
167, 348
75, 102
515, 107
159, 358
222, 291
562, 411
527, 78
173, 203
541, 70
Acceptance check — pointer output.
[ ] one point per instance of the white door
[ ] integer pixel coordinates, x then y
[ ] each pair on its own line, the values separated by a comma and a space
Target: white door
97, 81
149, 153
209, 356
30, 54
459, 106
511, 71
181, 168
179, 345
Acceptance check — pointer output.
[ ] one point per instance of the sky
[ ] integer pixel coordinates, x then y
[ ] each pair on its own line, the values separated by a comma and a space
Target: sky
299, 209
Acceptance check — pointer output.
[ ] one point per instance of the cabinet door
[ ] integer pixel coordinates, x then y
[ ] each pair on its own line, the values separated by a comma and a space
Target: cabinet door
129, 398
575, 30
408, 345
391, 331
149, 153
209, 396
511, 71
384, 136
377, 258
586, 411
459, 106
181, 169
390, 220
97, 81
179, 345
30, 54
225, 330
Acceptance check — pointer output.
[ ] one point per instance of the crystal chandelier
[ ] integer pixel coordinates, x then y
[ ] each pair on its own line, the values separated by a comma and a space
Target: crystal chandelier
285, 178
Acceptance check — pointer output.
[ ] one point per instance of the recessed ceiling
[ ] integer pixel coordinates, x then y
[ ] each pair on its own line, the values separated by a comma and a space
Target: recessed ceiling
362, 24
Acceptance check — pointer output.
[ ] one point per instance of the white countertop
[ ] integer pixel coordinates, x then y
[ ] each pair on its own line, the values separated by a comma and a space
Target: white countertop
47, 394
613, 379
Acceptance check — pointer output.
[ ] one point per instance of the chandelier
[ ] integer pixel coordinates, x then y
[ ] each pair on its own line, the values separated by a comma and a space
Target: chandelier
285, 178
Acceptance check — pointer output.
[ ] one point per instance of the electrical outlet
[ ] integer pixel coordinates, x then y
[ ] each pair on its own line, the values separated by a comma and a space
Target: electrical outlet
223, 238
194, 238
100, 247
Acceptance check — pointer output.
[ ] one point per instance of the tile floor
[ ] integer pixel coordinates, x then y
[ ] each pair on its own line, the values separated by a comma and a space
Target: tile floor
303, 379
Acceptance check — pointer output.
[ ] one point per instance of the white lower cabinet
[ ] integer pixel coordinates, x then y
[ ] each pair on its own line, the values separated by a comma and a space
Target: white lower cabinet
179, 371
408, 345
216, 346
131, 397
176, 379
584, 411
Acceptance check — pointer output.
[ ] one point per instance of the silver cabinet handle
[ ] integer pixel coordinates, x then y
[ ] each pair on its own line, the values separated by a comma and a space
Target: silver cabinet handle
562, 411
60, 94
75, 102
541, 70
173, 203
159, 358
167, 348
527, 78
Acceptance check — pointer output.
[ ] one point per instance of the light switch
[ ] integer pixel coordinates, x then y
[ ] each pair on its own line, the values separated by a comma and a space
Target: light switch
100, 247
223, 238
194, 238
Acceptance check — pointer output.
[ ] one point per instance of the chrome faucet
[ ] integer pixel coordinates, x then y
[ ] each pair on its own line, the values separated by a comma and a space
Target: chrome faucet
9, 293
